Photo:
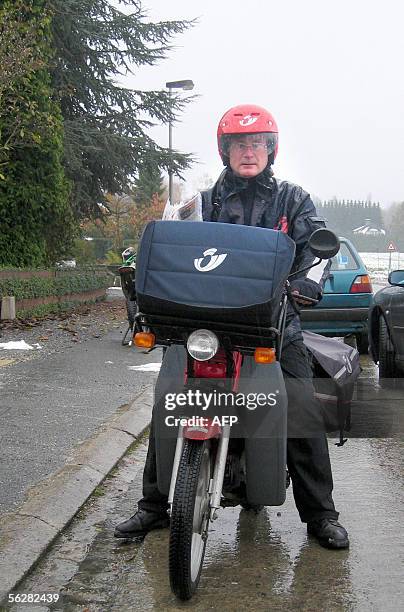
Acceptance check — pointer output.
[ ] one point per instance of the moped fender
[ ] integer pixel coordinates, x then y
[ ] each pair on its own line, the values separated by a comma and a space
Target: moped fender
265, 447
205, 431
265, 437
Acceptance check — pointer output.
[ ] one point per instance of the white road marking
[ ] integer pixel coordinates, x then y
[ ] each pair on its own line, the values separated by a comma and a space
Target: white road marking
146, 367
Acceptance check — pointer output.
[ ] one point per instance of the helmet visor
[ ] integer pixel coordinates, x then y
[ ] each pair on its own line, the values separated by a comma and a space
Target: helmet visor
242, 142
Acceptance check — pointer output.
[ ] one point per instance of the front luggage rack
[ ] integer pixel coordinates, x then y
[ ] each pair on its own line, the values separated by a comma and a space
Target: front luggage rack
175, 330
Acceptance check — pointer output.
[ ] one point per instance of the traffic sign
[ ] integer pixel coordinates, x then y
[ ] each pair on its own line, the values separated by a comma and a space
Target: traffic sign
391, 247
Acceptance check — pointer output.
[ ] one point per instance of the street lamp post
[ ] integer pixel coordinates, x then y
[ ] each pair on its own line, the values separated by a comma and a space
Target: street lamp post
186, 85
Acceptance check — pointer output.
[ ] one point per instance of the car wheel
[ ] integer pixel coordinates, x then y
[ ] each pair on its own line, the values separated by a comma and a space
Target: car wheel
362, 343
387, 364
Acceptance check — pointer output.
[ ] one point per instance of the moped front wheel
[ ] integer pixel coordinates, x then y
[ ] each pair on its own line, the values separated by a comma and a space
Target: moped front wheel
190, 518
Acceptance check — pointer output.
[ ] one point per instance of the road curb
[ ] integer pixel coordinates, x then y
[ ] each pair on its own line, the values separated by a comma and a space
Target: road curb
26, 534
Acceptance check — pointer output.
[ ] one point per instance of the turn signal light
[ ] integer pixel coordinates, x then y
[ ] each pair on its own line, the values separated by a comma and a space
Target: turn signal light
361, 284
144, 339
264, 355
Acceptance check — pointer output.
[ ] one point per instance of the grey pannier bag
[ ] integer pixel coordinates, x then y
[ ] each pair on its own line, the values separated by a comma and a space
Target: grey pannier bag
335, 371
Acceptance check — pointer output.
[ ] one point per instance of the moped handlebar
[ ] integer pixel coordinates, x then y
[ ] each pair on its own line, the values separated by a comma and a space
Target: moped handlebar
307, 298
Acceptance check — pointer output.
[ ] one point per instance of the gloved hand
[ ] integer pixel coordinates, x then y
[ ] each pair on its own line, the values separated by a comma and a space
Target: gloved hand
302, 288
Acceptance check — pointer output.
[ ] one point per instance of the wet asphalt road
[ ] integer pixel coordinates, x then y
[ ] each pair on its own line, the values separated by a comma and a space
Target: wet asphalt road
264, 562
54, 398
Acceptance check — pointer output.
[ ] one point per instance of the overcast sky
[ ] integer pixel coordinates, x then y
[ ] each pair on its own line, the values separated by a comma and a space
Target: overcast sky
331, 73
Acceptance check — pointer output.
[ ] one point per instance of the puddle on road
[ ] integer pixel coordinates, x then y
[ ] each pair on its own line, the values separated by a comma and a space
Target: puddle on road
258, 563
263, 562
377, 411
268, 563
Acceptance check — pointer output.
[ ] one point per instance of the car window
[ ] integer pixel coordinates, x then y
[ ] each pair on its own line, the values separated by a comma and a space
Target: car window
344, 259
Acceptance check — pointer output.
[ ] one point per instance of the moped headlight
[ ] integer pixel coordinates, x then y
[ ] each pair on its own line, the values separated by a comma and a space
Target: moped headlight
202, 344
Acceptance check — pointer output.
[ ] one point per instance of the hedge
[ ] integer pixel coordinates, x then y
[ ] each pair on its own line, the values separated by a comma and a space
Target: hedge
59, 283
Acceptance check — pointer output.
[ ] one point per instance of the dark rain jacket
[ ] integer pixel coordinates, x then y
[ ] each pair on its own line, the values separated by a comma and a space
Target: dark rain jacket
267, 202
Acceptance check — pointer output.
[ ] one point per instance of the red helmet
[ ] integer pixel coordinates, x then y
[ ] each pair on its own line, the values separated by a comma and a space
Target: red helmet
247, 119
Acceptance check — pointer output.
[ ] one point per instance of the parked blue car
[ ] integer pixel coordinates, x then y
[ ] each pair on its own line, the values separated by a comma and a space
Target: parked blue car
347, 296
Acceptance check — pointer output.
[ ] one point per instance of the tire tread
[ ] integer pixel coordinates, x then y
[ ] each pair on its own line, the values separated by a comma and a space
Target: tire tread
182, 520
387, 365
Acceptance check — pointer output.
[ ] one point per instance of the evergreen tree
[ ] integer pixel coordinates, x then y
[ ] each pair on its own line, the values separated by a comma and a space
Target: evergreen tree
345, 216
148, 184
105, 123
19, 57
36, 225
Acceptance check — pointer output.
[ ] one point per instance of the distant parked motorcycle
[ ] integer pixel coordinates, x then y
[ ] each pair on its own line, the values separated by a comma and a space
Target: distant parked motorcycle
127, 273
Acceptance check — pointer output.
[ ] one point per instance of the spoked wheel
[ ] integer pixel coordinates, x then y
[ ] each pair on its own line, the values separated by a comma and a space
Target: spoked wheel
190, 518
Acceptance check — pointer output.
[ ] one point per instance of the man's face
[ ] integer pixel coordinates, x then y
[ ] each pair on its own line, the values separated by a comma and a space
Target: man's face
248, 154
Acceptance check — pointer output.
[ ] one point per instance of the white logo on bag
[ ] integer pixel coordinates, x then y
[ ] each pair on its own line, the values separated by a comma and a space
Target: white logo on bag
348, 364
215, 261
248, 120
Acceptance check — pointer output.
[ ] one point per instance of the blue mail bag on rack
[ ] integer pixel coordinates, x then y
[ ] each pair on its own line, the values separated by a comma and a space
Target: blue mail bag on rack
213, 271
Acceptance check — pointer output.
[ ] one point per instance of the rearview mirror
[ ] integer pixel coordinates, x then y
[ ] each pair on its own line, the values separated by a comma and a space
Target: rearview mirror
396, 278
324, 243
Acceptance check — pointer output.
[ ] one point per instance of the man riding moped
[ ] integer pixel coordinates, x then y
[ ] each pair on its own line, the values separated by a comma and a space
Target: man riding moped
247, 193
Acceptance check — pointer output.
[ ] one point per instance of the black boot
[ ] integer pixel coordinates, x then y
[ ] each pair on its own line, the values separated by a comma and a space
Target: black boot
141, 523
329, 532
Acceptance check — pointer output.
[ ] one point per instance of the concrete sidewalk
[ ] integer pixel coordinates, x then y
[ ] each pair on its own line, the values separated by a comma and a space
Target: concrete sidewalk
56, 397
27, 533
68, 412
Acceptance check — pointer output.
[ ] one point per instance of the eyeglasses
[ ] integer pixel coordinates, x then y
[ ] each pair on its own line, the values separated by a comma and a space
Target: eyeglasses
240, 143
242, 147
